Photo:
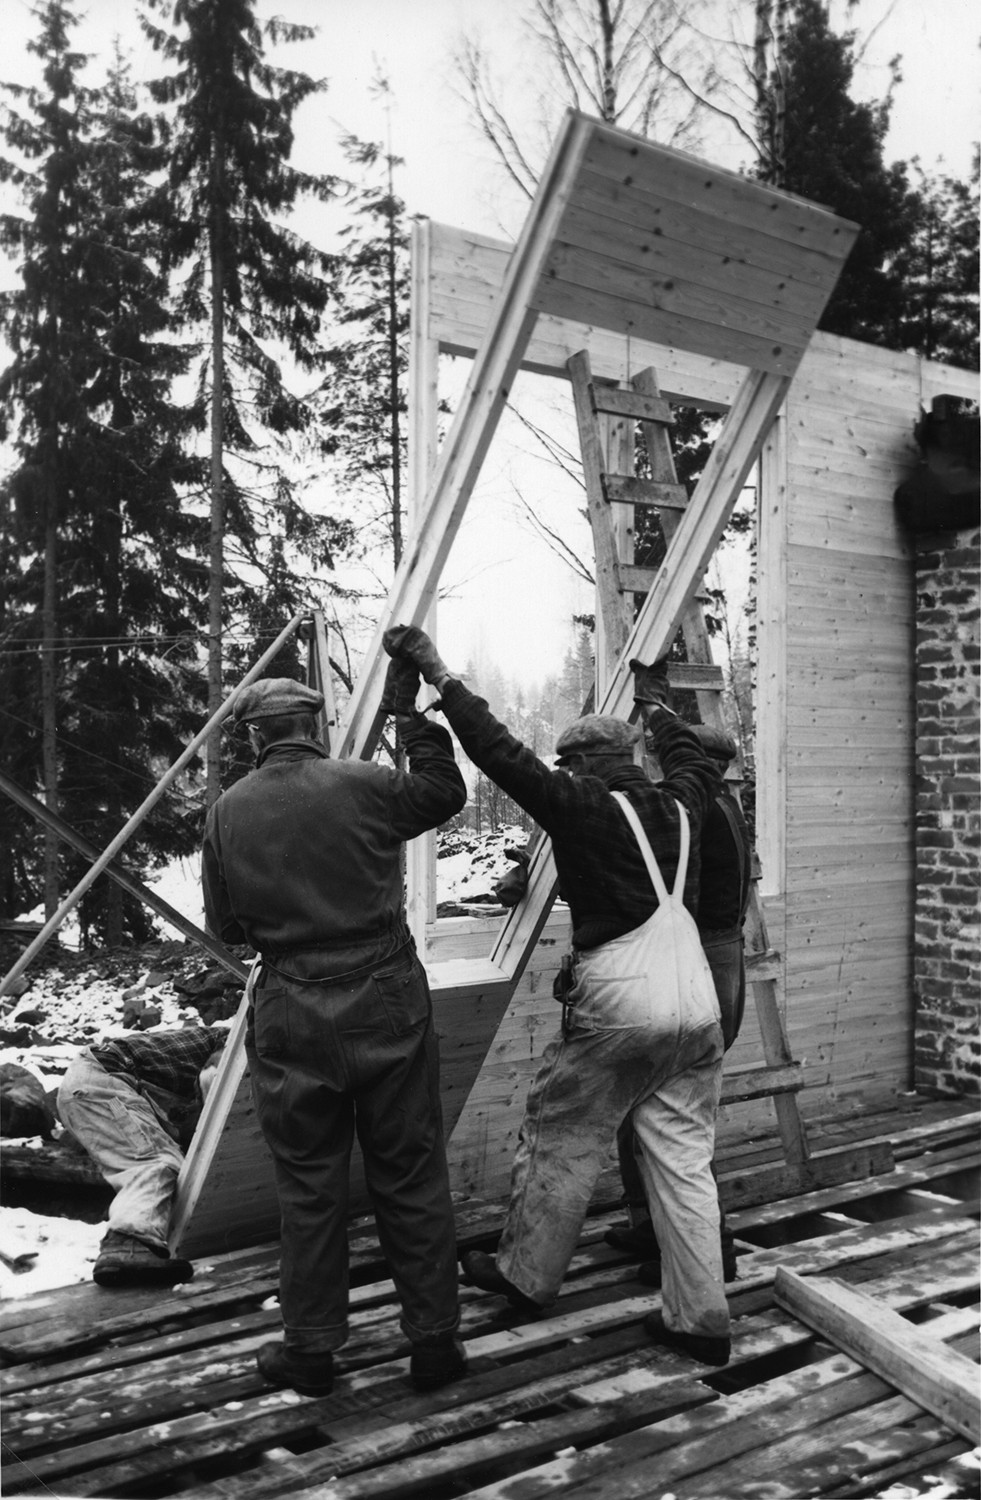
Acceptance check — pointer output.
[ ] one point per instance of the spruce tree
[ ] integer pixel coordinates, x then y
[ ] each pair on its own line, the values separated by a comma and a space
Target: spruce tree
94, 359
258, 288
46, 323
367, 387
817, 141
139, 685
939, 272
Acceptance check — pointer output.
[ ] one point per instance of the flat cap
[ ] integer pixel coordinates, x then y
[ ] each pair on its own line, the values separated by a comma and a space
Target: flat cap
276, 695
597, 734
715, 742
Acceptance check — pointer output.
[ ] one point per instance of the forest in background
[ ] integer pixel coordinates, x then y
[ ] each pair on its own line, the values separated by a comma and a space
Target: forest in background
203, 413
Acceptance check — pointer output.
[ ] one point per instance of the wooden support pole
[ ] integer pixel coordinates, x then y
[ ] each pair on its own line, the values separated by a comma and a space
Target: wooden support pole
476, 420
314, 632
129, 828
123, 878
905, 1354
612, 627
422, 449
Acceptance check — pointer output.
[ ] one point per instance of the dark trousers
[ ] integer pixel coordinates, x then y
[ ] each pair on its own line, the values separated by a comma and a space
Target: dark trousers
724, 952
355, 1052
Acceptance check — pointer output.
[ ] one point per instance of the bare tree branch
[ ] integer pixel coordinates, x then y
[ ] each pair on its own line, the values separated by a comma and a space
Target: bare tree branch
706, 103
568, 461
557, 544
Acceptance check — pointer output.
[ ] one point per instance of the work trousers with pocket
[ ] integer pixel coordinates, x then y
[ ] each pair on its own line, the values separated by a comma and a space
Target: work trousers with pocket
622, 1058
122, 1133
724, 952
354, 1052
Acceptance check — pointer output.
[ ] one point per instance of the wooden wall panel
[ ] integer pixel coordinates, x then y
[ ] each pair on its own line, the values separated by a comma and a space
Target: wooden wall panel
482, 1145
848, 723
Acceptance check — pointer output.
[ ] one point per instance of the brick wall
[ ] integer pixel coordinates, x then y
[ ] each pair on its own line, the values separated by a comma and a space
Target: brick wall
947, 941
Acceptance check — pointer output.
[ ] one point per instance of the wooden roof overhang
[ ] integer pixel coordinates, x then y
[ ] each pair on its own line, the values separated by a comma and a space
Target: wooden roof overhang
727, 279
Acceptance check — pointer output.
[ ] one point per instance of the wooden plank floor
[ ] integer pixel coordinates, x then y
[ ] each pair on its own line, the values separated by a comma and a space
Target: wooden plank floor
151, 1394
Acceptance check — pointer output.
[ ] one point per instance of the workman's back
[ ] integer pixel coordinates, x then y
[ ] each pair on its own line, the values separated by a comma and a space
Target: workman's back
305, 850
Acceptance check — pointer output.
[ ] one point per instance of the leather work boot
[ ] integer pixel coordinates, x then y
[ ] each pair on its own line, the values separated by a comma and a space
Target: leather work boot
700, 1346
308, 1374
635, 1239
480, 1269
436, 1362
125, 1261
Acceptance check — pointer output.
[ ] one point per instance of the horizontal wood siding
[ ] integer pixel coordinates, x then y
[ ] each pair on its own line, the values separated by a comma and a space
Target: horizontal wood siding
467, 273
849, 721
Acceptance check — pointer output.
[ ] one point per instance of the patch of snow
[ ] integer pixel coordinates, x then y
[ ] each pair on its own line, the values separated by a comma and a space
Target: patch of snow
179, 884
83, 1004
80, 1008
468, 864
57, 1252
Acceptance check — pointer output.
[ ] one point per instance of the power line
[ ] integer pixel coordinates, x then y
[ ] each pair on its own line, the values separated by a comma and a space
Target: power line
80, 749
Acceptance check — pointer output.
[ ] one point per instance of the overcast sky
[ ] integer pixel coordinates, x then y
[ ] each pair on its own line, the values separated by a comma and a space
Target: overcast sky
449, 176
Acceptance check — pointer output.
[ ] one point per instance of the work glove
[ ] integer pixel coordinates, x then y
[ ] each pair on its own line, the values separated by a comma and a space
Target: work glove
513, 885
409, 643
402, 683
651, 683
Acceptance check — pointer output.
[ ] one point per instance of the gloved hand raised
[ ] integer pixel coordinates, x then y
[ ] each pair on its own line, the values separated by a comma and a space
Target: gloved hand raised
409, 643
402, 682
513, 885
651, 683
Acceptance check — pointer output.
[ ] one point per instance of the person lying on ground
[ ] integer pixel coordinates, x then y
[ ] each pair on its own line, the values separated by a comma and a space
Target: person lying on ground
133, 1103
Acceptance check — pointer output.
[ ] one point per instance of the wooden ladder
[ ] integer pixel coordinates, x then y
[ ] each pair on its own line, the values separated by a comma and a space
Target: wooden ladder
607, 417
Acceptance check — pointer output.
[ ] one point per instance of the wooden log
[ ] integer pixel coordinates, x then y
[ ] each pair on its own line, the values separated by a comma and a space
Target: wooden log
51, 1164
904, 1355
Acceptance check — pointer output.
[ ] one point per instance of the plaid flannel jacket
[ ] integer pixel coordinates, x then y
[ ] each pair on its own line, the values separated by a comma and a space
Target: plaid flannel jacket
601, 871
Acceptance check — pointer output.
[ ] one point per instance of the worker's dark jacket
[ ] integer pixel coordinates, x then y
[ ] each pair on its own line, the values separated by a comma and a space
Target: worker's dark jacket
726, 868
304, 851
601, 871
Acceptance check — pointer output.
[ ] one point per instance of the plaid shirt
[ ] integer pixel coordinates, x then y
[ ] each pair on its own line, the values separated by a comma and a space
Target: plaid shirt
726, 869
601, 870
168, 1060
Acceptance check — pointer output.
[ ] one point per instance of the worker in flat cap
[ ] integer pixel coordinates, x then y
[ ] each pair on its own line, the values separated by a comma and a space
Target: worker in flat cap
724, 890
302, 861
641, 1033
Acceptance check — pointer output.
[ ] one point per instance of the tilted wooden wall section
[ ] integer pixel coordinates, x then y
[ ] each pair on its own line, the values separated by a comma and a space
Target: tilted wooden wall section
835, 694
724, 320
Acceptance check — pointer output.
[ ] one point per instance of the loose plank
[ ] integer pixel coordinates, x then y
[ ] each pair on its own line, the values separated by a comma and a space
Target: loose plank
882, 1339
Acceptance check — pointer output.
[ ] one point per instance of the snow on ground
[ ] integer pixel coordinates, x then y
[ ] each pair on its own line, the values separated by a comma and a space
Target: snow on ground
467, 864
179, 884
38, 1252
74, 1003
79, 1008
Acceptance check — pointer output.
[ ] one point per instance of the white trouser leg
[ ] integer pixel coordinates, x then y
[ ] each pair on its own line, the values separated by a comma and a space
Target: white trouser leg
675, 1126
122, 1134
